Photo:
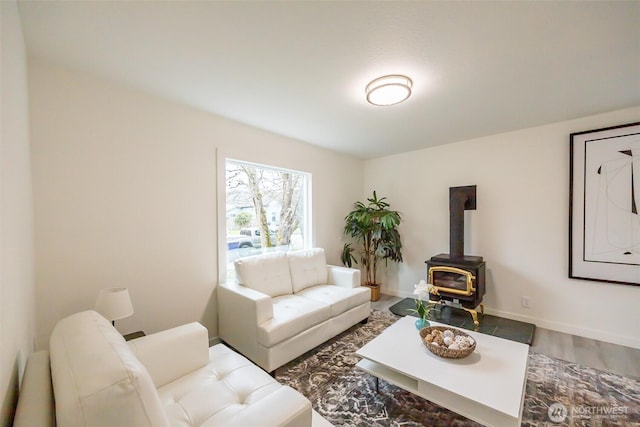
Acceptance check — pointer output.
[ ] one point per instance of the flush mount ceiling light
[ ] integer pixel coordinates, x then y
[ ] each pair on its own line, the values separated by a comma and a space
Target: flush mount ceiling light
389, 90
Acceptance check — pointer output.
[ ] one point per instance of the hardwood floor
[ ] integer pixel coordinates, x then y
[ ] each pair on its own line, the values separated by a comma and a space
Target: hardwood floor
584, 351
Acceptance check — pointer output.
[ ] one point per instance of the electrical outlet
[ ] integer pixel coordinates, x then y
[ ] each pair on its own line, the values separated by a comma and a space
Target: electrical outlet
526, 302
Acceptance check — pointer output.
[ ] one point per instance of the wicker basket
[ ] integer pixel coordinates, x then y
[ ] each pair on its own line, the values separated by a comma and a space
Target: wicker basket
443, 351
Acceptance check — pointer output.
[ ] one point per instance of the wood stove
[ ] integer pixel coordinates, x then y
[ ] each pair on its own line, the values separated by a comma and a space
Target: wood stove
456, 279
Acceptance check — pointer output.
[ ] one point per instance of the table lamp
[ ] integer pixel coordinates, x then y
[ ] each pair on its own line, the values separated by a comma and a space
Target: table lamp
114, 304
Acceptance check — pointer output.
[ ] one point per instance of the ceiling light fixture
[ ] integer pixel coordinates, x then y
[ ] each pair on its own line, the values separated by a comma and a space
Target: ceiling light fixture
389, 90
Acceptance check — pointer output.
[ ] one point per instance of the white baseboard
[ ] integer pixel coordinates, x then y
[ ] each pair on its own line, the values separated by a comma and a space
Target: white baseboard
397, 293
570, 329
566, 328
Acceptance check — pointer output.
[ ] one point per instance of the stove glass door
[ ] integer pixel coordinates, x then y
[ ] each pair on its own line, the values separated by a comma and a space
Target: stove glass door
452, 280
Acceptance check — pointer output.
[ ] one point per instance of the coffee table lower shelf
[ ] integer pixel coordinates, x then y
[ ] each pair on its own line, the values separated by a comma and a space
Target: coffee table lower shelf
458, 404
389, 375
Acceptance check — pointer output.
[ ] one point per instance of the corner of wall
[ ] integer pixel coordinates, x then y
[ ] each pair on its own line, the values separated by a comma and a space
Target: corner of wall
17, 288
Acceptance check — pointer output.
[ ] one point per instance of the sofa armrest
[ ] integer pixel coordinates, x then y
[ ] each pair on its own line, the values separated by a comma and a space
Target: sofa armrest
240, 311
343, 276
173, 353
36, 406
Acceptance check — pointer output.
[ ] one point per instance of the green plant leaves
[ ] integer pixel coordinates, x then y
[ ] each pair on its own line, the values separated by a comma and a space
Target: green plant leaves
374, 227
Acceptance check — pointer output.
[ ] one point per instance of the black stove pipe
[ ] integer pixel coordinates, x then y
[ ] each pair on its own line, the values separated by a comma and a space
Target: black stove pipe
460, 199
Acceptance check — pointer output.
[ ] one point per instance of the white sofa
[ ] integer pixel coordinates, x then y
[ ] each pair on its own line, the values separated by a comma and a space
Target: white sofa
171, 378
285, 304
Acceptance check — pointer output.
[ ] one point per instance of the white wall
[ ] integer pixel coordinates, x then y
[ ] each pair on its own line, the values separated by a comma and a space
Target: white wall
17, 289
520, 226
125, 195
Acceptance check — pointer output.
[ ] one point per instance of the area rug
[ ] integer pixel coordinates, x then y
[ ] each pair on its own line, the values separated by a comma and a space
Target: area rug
557, 393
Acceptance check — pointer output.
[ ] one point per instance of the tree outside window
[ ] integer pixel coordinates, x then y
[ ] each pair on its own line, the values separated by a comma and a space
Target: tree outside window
266, 209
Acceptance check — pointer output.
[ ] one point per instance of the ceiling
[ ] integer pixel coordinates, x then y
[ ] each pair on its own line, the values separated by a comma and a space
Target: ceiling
299, 69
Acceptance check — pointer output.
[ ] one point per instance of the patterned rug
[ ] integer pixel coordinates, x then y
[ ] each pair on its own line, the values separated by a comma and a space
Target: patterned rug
558, 393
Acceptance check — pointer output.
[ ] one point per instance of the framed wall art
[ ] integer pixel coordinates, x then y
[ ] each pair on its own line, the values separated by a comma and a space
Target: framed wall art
604, 205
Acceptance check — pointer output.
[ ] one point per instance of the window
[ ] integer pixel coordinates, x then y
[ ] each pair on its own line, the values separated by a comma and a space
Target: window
267, 210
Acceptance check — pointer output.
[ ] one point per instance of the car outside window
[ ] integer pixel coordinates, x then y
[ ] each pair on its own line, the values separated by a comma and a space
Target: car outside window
264, 198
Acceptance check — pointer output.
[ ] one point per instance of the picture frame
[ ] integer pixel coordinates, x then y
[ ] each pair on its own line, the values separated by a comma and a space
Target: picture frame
604, 205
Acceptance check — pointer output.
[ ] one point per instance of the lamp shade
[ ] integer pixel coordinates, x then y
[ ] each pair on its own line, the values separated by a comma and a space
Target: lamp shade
114, 303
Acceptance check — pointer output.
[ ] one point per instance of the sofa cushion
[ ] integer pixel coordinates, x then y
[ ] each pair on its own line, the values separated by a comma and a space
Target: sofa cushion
97, 381
267, 273
338, 298
308, 268
232, 391
292, 314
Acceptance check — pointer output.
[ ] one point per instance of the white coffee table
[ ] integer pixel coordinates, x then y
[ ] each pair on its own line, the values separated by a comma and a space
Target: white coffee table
486, 386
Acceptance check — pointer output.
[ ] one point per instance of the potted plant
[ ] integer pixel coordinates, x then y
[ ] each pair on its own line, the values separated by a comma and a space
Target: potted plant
375, 228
